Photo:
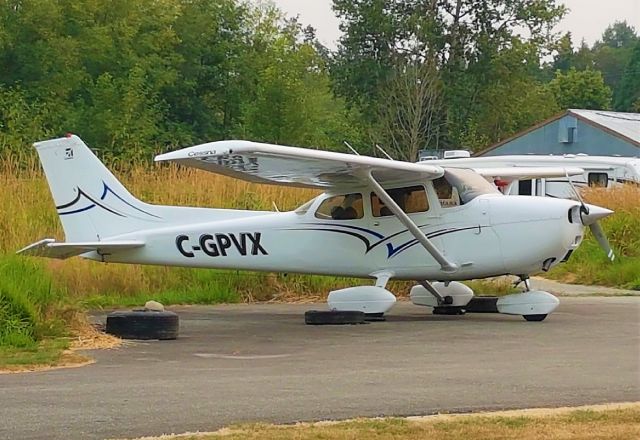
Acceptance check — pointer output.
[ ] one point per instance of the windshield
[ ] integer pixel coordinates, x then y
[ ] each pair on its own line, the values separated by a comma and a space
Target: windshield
302, 209
468, 183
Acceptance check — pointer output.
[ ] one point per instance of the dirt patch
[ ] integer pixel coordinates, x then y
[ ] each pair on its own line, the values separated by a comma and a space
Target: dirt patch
92, 339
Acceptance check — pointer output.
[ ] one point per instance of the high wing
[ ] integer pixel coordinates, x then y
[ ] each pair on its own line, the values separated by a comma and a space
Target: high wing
292, 166
52, 249
516, 172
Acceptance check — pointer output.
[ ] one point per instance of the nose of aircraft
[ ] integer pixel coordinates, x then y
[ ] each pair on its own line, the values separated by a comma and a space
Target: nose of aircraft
593, 214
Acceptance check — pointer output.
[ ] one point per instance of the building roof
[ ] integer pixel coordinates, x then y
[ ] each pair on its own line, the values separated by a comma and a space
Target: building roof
626, 124
623, 125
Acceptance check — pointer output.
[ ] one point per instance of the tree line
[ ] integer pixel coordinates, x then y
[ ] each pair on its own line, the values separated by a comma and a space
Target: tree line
134, 78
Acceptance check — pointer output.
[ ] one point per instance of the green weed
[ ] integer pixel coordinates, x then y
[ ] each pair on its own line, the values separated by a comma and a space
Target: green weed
28, 304
46, 352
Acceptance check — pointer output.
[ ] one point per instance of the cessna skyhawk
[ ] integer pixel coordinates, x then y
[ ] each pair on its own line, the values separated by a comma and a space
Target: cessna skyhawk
379, 219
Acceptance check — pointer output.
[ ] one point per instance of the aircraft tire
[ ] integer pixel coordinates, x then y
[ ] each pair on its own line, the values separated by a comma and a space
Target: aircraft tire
333, 317
534, 318
142, 324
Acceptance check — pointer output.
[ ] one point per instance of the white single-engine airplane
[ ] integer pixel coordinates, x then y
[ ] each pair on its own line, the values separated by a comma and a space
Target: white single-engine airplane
379, 218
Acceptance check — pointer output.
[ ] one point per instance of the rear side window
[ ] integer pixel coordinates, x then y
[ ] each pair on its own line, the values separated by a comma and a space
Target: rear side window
599, 179
410, 199
343, 207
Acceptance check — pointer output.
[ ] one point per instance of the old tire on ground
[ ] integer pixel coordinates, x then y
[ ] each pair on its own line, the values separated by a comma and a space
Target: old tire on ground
534, 318
140, 324
333, 317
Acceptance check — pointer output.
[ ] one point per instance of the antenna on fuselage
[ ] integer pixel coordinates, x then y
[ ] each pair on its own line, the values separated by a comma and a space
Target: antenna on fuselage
384, 152
353, 150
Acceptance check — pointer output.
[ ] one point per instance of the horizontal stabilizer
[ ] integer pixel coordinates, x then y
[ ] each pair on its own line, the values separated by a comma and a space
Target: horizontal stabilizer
52, 249
527, 172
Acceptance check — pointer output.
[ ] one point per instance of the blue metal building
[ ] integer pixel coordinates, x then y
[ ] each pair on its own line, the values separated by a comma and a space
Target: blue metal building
592, 132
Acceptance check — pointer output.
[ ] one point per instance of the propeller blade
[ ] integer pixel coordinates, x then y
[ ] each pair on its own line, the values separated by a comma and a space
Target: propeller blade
598, 233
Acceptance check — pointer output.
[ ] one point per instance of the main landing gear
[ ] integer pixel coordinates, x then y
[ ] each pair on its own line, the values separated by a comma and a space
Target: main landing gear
355, 305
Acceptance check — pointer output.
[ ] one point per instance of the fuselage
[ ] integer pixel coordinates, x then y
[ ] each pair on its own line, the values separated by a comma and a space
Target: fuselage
491, 235
369, 223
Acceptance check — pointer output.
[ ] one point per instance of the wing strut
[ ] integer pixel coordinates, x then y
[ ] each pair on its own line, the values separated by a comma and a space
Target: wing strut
445, 265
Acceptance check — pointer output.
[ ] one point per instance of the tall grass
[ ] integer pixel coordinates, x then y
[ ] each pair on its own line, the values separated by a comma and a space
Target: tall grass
30, 307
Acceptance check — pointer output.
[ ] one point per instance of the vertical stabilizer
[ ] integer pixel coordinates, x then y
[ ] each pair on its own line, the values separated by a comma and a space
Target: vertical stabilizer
91, 202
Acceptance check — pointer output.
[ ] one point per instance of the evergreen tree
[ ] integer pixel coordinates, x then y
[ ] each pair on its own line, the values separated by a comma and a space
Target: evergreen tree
627, 97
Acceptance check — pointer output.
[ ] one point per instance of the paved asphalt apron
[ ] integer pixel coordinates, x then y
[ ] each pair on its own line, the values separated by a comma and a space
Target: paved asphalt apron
240, 363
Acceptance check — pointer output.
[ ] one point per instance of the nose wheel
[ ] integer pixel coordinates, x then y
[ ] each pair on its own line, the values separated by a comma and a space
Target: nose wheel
524, 279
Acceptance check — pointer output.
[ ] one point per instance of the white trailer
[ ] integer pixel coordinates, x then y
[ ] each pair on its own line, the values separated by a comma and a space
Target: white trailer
604, 171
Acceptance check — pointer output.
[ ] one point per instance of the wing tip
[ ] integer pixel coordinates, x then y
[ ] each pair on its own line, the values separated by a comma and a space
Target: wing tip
209, 149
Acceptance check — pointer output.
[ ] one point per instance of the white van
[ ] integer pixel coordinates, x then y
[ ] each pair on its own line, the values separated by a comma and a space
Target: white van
598, 171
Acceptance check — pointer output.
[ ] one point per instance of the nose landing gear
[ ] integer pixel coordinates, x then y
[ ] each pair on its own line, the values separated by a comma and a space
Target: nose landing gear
456, 299
533, 305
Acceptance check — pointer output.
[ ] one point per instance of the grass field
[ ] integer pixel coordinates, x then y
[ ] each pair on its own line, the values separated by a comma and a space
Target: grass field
622, 423
46, 352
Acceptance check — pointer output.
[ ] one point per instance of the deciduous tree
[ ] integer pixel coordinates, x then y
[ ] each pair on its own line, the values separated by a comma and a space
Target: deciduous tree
581, 89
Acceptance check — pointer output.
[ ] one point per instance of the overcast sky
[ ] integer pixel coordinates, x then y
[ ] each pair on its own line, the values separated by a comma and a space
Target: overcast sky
586, 19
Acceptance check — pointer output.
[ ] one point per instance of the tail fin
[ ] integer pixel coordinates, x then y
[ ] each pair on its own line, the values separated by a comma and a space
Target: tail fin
91, 202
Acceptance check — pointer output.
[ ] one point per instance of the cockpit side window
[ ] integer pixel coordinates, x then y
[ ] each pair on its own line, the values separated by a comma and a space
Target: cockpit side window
410, 199
447, 193
342, 207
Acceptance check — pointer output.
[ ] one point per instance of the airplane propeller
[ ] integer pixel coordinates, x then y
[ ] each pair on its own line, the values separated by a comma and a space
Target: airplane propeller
589, 215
